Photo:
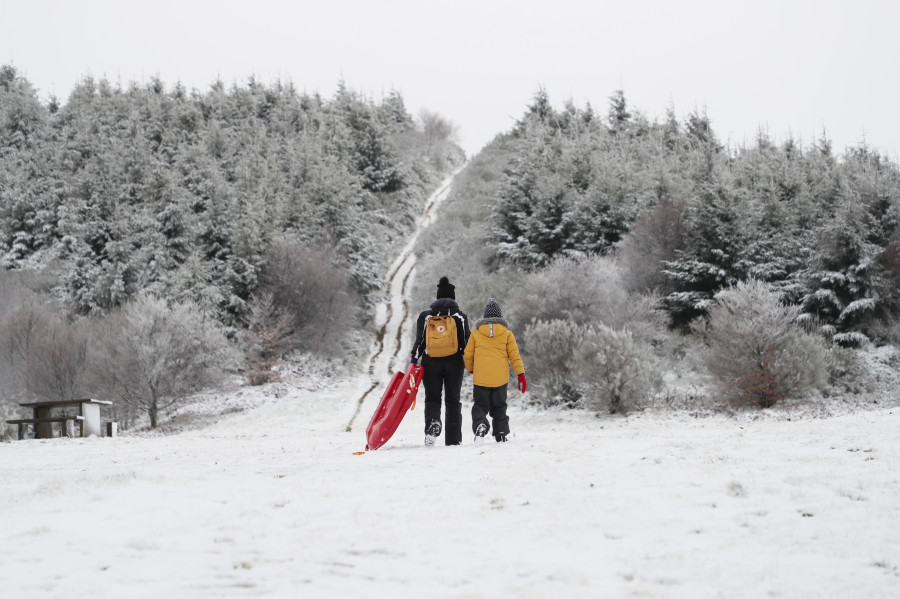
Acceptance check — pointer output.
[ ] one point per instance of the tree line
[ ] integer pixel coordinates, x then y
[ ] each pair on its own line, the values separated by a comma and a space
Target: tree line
690, 216
629, 250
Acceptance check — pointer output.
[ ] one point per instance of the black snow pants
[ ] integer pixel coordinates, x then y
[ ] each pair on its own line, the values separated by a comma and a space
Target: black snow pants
447, 374
490, 400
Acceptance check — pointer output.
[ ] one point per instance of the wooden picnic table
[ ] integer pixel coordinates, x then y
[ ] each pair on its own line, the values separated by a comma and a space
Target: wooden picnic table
48, 412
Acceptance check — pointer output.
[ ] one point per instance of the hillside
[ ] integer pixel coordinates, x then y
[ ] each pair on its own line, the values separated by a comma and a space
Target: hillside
725, 277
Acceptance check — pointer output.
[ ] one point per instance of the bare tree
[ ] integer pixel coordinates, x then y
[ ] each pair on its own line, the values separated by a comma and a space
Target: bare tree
55, 367
305, 283
270, 333
44, 352
154, 355
14, 339
437, 129
654, 239
19, 332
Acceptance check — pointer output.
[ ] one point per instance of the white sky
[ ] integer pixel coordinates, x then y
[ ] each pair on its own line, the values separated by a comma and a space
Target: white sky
790, 66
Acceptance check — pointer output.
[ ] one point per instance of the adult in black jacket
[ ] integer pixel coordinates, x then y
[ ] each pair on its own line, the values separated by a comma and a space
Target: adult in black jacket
442, 373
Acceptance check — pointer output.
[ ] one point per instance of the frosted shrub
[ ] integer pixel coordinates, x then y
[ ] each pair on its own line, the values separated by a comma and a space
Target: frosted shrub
573, 362
758, 353
887, 330
618, 371
847, 372
589, 291
552, 347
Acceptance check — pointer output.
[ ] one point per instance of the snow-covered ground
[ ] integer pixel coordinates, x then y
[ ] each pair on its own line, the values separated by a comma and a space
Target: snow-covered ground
270, 500
273, 502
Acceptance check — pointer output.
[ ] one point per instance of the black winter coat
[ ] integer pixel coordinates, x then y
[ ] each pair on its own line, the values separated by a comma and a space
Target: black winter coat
440, 307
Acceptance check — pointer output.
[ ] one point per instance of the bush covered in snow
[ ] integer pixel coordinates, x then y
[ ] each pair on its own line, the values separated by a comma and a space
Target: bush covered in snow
758, 352
619, 372
847, 372
591, 366
552, 348
586, 291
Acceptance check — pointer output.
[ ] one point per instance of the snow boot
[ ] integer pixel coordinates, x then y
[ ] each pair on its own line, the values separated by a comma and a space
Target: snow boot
501, 438
432, 432
480, 432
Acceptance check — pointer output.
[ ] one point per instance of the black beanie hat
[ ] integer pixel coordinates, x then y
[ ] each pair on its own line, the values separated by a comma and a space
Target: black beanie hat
445, 289
492, 309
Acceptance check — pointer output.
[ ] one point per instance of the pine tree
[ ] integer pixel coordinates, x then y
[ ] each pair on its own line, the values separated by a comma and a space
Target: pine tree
844, 284
711, 260
619, 118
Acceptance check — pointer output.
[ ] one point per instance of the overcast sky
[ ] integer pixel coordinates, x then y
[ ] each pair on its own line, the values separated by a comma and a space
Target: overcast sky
792, 66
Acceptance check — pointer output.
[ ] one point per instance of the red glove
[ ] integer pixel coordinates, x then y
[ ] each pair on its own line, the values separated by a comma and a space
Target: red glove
523, 385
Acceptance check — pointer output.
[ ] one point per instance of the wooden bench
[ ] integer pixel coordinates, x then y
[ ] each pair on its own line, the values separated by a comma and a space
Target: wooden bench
67, 428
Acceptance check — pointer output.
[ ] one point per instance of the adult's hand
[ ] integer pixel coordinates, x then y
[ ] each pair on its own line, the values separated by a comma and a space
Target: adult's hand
523, 384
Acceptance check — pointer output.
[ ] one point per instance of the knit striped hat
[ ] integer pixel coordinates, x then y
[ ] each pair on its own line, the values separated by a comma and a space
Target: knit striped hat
492, 309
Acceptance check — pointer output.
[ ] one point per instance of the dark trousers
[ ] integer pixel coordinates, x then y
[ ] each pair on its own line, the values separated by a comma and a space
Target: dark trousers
490, 400
447, 374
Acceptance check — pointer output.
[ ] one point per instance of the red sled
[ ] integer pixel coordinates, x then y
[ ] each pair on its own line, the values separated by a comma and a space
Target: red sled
399, 397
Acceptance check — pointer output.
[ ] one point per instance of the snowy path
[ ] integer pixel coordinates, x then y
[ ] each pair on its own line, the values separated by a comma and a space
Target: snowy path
393, 320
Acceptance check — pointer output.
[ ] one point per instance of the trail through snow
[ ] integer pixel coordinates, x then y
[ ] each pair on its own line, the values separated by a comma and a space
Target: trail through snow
393, 320
272, 502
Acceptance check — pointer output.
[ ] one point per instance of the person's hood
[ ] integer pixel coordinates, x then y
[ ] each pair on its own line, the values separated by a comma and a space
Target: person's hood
445, 304
484, 321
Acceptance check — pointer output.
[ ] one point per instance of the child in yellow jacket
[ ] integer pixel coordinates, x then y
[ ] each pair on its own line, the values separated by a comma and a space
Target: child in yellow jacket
489, 353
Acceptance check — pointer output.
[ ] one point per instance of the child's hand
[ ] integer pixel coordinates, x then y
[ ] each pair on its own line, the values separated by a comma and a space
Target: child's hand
523, 384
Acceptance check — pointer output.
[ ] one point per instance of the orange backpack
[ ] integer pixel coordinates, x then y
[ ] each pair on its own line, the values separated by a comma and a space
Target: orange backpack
440, 336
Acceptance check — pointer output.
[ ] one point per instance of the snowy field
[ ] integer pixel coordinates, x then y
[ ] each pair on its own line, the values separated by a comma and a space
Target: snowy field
272, 501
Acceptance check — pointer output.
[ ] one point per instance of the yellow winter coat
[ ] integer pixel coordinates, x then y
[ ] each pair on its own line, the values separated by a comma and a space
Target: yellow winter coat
490, 351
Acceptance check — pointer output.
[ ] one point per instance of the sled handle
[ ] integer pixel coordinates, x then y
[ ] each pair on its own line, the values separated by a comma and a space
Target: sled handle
413, 388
